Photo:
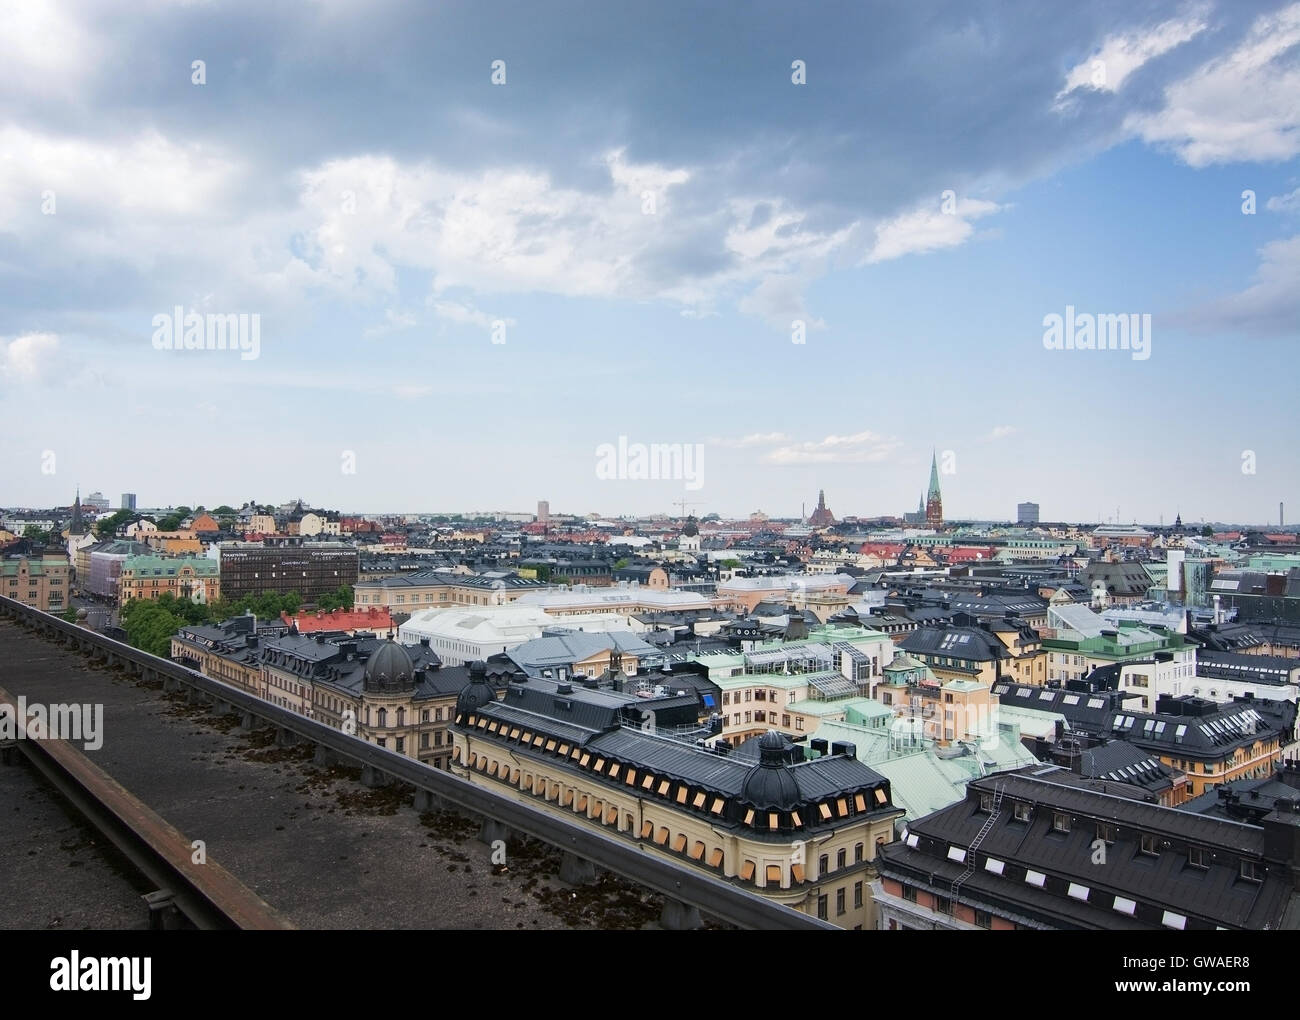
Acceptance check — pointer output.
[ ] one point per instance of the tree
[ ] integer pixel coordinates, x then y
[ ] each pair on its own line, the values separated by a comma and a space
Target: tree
106, 527
150, 623
1207, 531
70, 614
620, 563
730, 563
338, 599
37, 536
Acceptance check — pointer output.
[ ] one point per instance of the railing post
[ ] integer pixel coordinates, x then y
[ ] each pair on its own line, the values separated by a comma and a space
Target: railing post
679, 916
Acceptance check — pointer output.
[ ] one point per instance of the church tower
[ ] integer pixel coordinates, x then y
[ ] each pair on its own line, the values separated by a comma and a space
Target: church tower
933, 499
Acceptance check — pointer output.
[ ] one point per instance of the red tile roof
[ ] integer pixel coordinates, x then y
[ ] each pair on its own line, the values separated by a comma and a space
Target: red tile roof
375, 618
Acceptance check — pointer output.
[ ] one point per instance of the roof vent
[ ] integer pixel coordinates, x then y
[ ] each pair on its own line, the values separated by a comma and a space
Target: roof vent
564, 689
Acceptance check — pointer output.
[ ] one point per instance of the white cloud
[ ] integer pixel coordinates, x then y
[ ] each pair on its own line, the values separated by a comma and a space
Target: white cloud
29, 359
1288, 203
753, 439
1000, 432
1244, 106
1269, 307
859, 448
1120, 55
927, 229
393, 322
467, 315
779, 300
42, 41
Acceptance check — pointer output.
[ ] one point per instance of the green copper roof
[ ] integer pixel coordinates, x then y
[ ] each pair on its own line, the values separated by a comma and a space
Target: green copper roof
934, 479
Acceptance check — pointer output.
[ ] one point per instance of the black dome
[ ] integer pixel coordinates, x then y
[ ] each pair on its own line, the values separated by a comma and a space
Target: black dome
770, 785
478, 691
692, 529
390, 669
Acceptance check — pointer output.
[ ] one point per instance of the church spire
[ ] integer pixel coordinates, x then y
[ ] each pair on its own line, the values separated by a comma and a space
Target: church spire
933, 499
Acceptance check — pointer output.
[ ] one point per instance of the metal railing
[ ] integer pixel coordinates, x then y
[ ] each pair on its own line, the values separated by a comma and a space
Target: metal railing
626, 858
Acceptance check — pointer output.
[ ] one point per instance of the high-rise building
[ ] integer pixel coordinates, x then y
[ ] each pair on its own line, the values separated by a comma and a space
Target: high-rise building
543, 512
1026, 513
933, 499
97, 501
128, 501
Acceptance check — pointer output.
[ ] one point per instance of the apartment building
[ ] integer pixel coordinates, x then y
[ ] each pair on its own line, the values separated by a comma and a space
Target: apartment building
436, 589
1045, 849
40, 580
803, 832
194, 578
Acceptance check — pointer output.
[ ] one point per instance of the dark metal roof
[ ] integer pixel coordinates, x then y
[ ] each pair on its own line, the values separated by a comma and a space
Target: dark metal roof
1216, 894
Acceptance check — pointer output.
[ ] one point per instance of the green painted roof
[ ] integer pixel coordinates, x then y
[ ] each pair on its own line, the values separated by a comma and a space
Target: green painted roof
922, 781
169, 566
780, 681
810, 707
865, 712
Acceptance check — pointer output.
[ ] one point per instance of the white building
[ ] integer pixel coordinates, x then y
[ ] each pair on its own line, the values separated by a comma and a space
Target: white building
622, 599
463, 635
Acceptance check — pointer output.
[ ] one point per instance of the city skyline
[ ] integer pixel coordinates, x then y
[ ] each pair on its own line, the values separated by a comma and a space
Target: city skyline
811, 251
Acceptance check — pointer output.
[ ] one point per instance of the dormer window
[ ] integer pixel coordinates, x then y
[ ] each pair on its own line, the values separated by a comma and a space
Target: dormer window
1023, 812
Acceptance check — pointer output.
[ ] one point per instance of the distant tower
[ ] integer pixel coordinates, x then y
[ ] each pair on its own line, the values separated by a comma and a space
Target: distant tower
1281, 520
78, 526
821, 517
543, 511
933, 499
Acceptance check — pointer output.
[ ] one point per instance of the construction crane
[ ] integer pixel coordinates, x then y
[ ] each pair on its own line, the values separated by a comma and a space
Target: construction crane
684, 504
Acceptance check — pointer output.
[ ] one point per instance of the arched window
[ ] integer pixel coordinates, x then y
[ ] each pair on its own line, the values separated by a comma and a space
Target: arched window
401, 717
383, 717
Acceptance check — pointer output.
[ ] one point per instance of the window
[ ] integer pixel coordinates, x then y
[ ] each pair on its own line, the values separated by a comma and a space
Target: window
842, 859
986, 802
1106, 832
785, 720
823, 865
839, 902
1022, 812
984, 919
857, 895
1252, 871
909, 893
1148, 845
821, 908
943, 905
857, 854
1198, 857
1060, 822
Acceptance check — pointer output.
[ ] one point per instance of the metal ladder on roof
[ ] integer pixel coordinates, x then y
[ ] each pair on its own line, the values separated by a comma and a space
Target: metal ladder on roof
985, 829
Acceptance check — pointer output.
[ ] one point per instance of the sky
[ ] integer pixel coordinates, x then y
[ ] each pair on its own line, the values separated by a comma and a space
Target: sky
486, 245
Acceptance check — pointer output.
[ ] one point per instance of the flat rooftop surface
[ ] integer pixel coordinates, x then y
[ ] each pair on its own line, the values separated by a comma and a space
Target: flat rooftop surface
313, 842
